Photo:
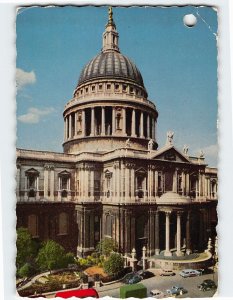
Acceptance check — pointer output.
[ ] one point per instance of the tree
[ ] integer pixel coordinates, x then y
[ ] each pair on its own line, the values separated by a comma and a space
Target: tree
51, 256
106, 246
26, 270
114, 264
27, 248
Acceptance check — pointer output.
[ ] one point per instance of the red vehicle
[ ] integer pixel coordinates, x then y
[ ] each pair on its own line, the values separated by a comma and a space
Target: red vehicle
78, 293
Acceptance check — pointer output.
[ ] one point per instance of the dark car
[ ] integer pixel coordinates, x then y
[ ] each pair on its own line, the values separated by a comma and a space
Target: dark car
145, 274
176, 290
134, 279
128, 277
207, 285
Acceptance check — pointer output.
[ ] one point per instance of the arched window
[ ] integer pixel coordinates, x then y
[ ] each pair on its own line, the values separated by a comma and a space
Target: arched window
63, 223
33, 225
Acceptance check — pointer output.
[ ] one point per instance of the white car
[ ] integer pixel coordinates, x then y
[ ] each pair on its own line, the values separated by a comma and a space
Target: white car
157, 294
190, 273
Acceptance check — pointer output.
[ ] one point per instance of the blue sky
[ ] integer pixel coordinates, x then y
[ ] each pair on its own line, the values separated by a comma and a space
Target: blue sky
178, 65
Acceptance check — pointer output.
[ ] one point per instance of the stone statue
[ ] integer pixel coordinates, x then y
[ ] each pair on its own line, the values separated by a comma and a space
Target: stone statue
201, 154
150, 144
185, 149
170, 135
127, 143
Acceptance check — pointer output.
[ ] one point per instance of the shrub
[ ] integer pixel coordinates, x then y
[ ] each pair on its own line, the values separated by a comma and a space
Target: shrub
114, 264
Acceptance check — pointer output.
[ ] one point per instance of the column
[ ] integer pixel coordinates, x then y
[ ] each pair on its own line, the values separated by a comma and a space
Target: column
59, 188
51, 184
70, 126
86, 184
65, 129
103, 120
174, 187
75, 123
118, 184
123, 121
46, 180
141, 125
92, 122
156, 182
92, 184
122, 178
148, 126
188, 242
167, 249
133, 124
187, 184
178, 235
183, 183
113, 120
157, 233
83, 123
37, 188
132, 184
153, 128
18, 180
127, 186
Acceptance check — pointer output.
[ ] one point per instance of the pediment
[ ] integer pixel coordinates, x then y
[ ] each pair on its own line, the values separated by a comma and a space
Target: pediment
141, 171
64, 173
171, 154
32, 171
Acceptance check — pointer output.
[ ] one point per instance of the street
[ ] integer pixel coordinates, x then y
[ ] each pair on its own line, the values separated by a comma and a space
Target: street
163, 283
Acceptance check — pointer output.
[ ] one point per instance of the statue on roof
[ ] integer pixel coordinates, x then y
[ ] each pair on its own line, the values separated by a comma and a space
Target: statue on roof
127, 143
185, 149
150, 144
170, 135
201, 154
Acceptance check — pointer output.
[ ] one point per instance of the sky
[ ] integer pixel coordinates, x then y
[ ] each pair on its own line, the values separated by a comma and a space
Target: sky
178, 65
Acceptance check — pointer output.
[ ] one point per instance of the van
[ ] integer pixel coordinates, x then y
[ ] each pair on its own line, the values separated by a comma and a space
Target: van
78, 293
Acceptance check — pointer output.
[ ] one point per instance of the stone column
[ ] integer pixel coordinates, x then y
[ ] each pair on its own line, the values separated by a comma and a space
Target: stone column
70, 126
86, 191
157, 233
51, 184
187, 185
132, 184
92, 185
124, 121
65, 129
113, 120
153, 128
127, 186
59, 189
37, 188
118, 183
18, 180
46, 181
188, 241
148, 126
167, 251
174, 187
141, 125
92, 121
156, 183
83, 123
183, 183
178, 234
133, 124
122, 181
102, 120
75, 123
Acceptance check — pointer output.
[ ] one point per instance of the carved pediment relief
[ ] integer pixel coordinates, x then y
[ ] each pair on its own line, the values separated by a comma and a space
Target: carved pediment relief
171, 155
32, 171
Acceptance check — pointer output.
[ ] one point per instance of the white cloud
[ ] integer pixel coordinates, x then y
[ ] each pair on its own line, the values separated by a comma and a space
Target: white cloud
34, 115
24, 78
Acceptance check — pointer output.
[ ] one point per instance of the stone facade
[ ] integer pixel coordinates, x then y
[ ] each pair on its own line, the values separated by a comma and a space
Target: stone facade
111, 180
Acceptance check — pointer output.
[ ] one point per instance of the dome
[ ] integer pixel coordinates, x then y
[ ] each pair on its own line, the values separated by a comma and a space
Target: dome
112, 65
173, 198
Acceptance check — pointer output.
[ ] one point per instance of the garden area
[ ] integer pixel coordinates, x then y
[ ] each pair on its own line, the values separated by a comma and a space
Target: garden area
63, 270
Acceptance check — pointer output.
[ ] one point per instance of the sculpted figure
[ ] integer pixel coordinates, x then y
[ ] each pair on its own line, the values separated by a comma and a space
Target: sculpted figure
185, 149
127, 143
150, 144
170, 135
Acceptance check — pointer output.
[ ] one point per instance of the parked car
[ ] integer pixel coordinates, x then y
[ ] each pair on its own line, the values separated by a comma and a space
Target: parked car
190, 273
176, 290
167, 272
145, 274
157, 294
134, 279
207, 285
128, 277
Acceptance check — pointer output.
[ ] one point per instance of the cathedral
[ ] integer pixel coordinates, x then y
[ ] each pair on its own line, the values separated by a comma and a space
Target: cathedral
112, 180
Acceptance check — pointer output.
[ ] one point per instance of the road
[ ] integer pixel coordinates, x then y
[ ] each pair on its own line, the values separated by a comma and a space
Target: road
163, 283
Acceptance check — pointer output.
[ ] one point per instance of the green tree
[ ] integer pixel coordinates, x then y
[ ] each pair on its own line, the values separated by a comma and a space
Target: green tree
51, 256
106, 246
27, 248
26, 270
114, 264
